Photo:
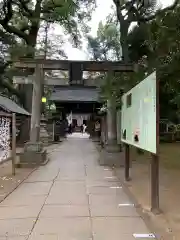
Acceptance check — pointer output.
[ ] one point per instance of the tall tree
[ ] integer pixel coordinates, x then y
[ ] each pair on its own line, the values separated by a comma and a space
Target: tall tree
106, 46
6, 85
23, 17
163, 42
155, 46
50, 43
135, 11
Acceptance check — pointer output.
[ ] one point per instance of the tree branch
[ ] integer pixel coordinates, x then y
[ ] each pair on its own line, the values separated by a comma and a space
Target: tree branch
119, 8
47, 9
25, 28
21, 10
37, 11
8, 12
15, 31
7, 7
169, 8
25, 7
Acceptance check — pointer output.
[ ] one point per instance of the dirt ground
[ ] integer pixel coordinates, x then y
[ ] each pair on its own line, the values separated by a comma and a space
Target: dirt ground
167, 223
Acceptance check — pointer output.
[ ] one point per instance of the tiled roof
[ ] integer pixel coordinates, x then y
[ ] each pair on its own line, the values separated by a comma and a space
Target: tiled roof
77, 94
10, 106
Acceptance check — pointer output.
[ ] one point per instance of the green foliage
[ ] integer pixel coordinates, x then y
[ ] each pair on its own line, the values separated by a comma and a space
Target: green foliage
23, 17
49, 44
135, 11
159, 50
153, 45
164, 37
21, 20
6, 86
136, 42
106, 46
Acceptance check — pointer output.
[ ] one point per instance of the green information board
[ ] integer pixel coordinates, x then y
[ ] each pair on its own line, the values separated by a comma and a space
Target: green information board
138, 117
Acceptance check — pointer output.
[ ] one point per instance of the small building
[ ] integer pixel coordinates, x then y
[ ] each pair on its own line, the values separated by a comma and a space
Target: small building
78, 101
7, 107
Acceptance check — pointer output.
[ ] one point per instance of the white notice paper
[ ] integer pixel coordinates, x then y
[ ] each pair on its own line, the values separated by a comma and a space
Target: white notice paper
144, 235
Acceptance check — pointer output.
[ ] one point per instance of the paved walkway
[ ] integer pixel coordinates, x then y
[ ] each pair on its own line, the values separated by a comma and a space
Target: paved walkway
71, 198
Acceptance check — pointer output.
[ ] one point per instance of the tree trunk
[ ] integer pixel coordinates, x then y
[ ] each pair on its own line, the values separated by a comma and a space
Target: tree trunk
27, 90
30, 39
125, 52
124, 27
124, 41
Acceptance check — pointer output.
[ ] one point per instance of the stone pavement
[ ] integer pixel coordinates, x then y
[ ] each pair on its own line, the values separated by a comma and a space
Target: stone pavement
71, 198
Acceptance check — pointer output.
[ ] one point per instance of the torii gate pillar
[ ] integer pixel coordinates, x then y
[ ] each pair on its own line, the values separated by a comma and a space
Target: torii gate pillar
33, 150
36, 104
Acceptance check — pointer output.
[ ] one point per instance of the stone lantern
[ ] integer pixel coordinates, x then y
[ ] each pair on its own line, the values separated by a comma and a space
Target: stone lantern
44, 137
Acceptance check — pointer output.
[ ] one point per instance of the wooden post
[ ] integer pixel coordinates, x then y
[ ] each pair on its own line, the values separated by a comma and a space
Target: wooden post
36, 104
111, 123
127, 162
13, 143
53, 130
155, 161
155, 183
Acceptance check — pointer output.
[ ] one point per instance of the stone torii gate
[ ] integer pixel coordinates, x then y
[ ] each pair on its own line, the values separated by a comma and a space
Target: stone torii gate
75, 69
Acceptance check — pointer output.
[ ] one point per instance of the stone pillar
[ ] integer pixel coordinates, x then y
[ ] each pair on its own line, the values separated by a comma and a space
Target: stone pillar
111, 145
43, 135
111, 156
34, 154
36, 104
103, 130
111, 124
119, 130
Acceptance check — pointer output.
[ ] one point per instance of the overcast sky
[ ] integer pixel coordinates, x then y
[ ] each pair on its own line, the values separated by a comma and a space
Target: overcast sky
100, 14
